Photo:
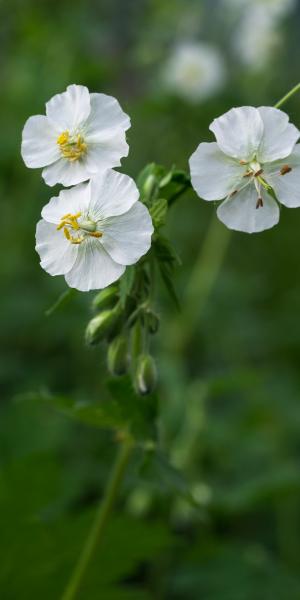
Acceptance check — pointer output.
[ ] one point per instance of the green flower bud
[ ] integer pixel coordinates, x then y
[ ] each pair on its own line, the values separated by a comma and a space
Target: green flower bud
101, 326
149, 186
152, 321
117, 356
146, 375
107, 298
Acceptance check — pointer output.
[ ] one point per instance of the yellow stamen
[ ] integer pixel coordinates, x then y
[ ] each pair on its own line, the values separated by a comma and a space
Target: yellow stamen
71, 147
69, 223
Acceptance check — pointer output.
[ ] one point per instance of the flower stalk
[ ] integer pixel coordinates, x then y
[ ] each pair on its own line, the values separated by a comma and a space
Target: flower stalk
97, 530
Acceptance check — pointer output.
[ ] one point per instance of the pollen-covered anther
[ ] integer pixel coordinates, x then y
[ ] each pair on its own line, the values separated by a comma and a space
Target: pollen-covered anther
285, 169
258, 173
259, 203
71, 147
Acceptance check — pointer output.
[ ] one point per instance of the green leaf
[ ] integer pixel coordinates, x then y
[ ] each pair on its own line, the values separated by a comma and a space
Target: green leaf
61, 301
157, 470
124, 410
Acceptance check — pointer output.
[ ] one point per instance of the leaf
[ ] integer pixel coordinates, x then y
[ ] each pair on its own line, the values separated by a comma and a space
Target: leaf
61, 301
167, 261
123, 410
157, 470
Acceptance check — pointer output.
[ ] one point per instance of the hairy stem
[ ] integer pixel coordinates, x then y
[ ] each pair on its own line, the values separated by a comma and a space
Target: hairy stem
287, 96
96, 533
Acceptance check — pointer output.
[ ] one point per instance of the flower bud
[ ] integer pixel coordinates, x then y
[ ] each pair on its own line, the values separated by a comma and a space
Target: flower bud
117, 356
149, 186
101, 326
106, 298
152, 321
146, 375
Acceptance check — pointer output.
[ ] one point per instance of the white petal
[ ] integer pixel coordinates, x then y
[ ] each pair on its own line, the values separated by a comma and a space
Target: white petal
74, 200
286, 187
66, 172
107, 153
128, 237
94, 269
69, 109
56, 253
240, 212
279, 137
39, 147
214, 175
106, 116
239, 132
112, 194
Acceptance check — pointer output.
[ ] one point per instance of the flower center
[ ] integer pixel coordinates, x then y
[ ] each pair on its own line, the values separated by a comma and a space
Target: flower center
77, 232
71, 146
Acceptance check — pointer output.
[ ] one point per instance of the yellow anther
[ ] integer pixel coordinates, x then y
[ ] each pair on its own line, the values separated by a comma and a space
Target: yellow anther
71, 147
69, 224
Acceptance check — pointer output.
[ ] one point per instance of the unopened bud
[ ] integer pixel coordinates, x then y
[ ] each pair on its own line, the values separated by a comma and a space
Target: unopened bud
107, 298
152, 321
101, 326
149, 186
117, 356
146, 375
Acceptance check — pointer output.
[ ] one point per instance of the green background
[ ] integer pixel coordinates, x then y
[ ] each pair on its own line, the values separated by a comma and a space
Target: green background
229, 380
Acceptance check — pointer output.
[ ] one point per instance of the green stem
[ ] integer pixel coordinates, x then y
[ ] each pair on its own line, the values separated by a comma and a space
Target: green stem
96, 532
287, 96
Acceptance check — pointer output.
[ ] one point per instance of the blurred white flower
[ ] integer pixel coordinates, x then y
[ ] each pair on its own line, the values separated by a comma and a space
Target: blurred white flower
275, 8
89, 233
194, 71
80, 135
256, 38
254, 158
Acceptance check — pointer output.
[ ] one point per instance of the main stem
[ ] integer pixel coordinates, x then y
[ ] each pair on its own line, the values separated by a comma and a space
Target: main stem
96, 532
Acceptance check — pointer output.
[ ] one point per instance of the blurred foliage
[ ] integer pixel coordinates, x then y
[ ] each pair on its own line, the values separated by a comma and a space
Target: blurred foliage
212, 511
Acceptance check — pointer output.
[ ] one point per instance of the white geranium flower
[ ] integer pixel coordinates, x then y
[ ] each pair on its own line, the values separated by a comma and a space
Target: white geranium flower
80, 135
89, 233
254, 159
257, 37
194, 71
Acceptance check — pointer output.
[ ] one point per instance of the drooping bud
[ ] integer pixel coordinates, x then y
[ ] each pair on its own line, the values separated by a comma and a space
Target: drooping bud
101, 326
146, 375
117, 356
106, 298
152, 321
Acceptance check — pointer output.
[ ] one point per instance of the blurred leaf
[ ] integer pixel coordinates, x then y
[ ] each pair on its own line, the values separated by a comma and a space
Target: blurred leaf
158, 212
61, 301
126, 283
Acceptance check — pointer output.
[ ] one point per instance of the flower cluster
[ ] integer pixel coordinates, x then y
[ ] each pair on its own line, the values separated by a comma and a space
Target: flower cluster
90, 232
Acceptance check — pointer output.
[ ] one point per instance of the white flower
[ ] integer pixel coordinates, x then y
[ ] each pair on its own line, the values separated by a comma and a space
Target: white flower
194, 71
80, 135
275, 8
253, 159
89, 233
256, 38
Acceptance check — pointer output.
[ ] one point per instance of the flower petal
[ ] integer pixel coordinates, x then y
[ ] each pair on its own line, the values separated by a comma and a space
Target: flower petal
39, 147
69, 109
214, 175
56, 253
112, 194
106, 116
240, 212
279, 137
66, 172
94, 269
287, 186
239, 132
127, 237
107, 153
74, 200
